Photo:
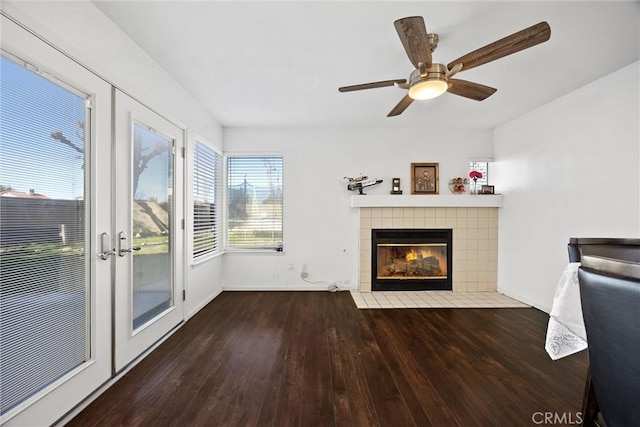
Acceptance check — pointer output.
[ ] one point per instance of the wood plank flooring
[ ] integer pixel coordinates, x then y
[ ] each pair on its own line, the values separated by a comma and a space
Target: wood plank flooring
313, 359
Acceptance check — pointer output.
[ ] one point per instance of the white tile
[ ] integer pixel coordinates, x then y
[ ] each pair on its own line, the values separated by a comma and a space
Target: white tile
365, 223
472, 223
430, 222
412, 305
484, 212
441, 222
433, 299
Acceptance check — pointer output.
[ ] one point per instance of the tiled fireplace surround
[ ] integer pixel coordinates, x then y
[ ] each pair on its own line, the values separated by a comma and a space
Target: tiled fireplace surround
475, 240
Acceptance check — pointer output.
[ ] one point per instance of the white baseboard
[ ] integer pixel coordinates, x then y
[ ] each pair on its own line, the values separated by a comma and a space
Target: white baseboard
324, 287
524, 300
202, 304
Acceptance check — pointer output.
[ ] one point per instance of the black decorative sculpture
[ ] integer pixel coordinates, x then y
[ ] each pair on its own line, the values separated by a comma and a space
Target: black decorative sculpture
360, 182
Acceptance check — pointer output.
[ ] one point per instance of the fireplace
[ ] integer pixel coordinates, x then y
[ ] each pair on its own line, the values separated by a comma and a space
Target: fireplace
411, 259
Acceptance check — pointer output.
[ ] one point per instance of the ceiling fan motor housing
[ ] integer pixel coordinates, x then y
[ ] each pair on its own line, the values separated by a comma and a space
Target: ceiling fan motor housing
435, 72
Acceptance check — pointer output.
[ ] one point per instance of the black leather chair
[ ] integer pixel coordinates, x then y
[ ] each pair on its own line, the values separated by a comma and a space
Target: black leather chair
610, 297
617, 248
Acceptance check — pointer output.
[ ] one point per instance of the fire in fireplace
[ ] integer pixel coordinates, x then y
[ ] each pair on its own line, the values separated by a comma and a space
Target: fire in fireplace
421, 261
411, 259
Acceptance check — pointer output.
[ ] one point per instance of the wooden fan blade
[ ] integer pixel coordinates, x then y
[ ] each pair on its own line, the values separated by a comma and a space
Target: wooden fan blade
401, 106
516, 42
414, 38
373, 85
470, 90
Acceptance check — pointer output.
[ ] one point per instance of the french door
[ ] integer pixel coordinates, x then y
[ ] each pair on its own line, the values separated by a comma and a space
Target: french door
55, 288
91, 233
148, 233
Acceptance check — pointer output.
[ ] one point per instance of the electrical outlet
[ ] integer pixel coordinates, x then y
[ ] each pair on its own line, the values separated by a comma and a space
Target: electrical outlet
304, 274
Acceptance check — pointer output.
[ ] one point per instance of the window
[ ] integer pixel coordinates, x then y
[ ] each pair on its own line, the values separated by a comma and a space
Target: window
482, 166
207, 195
44, 257
254, 200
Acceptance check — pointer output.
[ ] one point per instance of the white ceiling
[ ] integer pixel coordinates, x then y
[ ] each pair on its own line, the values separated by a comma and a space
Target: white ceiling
279, 64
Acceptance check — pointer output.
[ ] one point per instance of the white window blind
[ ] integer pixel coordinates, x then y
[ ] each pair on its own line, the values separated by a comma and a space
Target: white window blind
43, 246
254, 200
207, 198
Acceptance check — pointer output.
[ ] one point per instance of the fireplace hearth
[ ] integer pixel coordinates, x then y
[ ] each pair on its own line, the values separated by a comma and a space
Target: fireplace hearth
411, 259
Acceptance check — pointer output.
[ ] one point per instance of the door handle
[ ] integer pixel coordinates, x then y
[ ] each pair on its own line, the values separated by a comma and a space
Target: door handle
122, 251
105, 247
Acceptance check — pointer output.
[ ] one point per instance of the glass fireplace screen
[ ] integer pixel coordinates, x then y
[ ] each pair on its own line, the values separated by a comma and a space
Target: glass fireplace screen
415, 261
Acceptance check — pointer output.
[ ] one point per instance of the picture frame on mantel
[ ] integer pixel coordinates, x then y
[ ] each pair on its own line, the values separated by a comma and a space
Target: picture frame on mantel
425, 178
487, 189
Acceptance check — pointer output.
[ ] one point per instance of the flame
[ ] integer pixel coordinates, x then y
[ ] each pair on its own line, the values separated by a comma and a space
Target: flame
396, 259
412, 255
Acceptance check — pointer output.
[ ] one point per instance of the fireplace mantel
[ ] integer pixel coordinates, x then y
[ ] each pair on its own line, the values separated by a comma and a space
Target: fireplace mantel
436, 201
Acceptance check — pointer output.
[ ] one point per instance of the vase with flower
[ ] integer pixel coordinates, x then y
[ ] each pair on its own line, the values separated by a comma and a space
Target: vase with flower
475, 176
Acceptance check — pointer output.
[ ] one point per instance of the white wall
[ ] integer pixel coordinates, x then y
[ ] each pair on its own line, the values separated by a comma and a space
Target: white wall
82, 31
320, 229
567, 169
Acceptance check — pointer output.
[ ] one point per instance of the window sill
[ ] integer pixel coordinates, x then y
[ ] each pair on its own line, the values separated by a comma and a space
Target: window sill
254, 252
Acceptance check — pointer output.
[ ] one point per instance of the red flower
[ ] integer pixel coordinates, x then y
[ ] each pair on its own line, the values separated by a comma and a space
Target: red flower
475, 175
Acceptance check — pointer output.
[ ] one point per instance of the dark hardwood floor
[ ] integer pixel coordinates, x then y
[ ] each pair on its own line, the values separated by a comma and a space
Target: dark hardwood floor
313, 359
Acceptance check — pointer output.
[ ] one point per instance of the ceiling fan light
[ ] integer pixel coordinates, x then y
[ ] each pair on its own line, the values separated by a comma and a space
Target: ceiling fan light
428, 89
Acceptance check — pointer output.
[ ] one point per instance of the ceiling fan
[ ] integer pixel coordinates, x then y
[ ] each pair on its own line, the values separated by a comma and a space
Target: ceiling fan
430, 79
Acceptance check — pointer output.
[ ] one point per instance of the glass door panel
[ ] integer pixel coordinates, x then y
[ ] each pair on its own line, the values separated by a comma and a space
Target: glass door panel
152, 212
44, 283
